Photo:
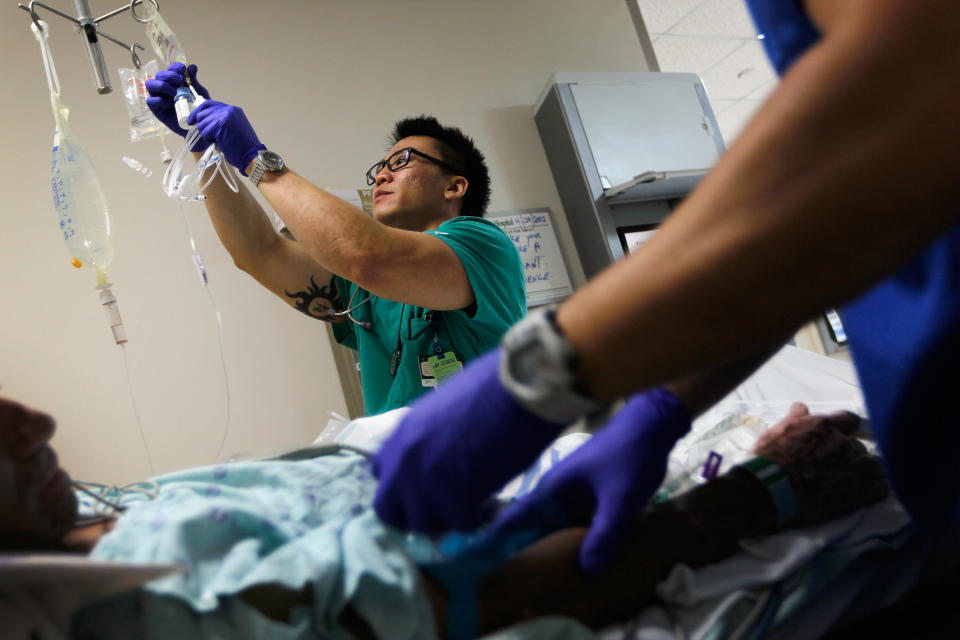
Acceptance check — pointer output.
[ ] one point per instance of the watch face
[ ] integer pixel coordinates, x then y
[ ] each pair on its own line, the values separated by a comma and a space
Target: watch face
273, 160
527, 362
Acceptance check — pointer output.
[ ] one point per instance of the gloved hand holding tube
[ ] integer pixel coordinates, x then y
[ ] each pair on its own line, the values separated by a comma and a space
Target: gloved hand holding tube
223, 124
163, 91
609, 479
457, 446
454, 448
227, 126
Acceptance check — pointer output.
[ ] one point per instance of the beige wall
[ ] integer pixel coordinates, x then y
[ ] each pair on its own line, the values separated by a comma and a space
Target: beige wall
322, 81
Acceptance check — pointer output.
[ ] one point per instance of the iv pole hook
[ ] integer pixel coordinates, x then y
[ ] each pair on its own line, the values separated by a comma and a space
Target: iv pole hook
91, 28
133, 54
36, 18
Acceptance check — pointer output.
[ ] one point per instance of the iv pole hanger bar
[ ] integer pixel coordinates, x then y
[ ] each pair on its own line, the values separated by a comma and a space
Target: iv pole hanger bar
90, 29
94, 54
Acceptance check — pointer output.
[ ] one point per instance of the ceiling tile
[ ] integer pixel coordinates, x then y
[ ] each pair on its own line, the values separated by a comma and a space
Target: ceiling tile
725, 18
763, 92
739, 74
696, 55
719, 106
660, 15
735, 117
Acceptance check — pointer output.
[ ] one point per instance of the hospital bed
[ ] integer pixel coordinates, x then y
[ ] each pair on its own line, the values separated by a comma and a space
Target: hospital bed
795, 584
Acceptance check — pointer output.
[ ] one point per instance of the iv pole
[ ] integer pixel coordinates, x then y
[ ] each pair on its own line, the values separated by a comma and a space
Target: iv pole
89, 28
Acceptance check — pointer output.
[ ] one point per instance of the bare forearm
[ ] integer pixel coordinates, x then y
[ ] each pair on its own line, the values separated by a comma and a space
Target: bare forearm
394, 263
805, 211
337, 235
280, 265
240, 222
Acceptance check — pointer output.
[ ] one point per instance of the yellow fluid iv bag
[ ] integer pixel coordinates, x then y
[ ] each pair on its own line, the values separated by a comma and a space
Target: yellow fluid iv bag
78, 198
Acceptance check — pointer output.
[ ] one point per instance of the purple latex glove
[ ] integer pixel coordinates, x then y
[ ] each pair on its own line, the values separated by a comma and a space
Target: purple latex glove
611, 476
227, 126
164, 87
454, 448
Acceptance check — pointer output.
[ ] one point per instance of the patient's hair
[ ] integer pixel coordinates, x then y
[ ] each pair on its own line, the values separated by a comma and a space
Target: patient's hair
457, 149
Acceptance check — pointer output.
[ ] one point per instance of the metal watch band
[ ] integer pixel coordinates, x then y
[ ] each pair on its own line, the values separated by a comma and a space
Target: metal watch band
537, 368
263, 165
259, 168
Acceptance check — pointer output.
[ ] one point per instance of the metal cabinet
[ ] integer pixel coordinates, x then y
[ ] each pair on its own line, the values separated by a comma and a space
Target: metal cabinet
624, 148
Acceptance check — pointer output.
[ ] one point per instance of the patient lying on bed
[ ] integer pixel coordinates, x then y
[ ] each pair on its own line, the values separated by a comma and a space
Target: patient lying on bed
291, 548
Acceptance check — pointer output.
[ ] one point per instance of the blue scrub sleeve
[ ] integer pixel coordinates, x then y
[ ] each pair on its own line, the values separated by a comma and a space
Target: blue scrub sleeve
786, 30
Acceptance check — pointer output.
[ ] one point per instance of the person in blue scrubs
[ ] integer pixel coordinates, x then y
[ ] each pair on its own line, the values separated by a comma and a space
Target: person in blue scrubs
841, 191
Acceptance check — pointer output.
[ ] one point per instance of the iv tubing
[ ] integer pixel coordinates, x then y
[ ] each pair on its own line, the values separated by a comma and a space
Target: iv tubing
136, 412
109, 302
202, 272
187, 187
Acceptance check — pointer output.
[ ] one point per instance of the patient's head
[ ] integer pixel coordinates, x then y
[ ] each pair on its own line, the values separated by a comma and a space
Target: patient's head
37, 505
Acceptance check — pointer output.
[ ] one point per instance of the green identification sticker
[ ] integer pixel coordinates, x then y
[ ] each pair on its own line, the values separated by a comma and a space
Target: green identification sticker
444, 366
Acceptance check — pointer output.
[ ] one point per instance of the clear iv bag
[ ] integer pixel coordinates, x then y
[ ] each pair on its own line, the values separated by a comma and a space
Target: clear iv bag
162, 38
79, 199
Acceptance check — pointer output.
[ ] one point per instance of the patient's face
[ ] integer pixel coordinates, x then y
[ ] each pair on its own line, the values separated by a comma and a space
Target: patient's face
37, 505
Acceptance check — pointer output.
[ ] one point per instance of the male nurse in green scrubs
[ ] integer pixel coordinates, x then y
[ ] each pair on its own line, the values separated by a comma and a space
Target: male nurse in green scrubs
410, 342
420, 289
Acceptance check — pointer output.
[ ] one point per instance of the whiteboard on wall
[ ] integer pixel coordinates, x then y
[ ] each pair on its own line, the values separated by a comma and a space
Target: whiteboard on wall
544, 271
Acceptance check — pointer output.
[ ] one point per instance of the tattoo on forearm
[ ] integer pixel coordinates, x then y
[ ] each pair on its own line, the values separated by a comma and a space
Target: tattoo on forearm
316, 301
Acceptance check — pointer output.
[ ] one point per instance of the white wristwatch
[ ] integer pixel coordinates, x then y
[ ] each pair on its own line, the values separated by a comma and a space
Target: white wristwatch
538, 368
266, 161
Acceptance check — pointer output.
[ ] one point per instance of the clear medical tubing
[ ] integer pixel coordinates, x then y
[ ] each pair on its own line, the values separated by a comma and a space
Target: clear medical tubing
78, 198
192, 185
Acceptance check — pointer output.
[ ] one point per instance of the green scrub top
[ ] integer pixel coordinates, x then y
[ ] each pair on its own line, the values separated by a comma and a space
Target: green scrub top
495, 271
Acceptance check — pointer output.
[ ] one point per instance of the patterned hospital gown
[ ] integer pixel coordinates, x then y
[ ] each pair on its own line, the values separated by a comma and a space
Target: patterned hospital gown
233, 526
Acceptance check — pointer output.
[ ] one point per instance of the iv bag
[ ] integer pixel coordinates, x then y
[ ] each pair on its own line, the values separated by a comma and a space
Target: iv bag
78, 198
162, 38
143, 124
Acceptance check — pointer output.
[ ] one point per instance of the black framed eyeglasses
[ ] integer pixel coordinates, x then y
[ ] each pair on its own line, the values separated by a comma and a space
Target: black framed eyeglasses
400, 159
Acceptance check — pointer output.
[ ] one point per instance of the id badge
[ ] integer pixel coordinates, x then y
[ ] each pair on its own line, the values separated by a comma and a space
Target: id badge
436, 369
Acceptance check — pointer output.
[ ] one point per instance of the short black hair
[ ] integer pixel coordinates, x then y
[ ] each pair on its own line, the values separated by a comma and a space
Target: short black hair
457, 149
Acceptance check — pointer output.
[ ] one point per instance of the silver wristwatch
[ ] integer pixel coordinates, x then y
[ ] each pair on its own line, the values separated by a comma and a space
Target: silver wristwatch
537, 367
266, 161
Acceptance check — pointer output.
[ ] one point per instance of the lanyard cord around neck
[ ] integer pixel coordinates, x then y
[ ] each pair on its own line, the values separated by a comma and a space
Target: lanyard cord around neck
398, 352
